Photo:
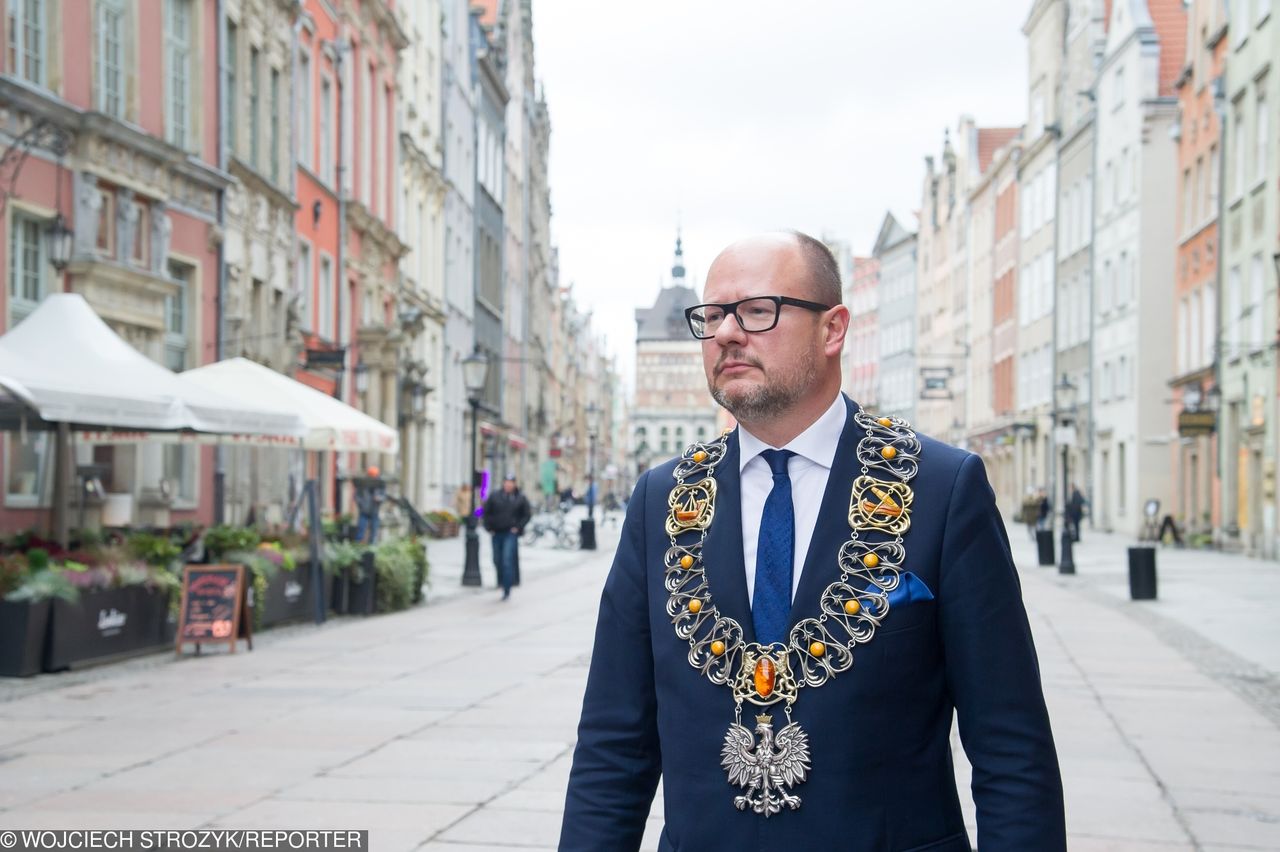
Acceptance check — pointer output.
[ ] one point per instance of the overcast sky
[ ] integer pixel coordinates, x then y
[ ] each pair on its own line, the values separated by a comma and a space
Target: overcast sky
731, 117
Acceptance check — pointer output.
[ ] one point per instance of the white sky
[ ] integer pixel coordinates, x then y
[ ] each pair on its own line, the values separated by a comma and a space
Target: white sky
738, 116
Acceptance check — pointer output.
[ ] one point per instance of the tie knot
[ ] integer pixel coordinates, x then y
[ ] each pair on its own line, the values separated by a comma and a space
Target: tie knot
777, 460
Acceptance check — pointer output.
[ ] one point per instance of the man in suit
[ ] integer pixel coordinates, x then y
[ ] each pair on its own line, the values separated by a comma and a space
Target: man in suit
797, 609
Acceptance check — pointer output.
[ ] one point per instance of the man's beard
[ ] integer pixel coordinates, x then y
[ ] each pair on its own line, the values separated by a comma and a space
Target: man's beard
779, 392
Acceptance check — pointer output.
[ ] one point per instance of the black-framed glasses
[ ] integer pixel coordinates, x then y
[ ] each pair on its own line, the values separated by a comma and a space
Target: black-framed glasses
754, 315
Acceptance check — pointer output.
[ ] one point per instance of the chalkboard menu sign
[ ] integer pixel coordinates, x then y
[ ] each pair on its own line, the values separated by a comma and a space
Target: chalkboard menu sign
214, 607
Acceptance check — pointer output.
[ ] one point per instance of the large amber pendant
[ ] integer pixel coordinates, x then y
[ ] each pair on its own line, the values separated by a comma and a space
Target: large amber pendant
766, 674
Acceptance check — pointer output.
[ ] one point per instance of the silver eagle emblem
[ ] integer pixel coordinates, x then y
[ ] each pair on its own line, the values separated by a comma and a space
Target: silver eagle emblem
766, 769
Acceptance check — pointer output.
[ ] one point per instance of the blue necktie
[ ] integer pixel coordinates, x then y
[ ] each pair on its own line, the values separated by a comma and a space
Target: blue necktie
771, 601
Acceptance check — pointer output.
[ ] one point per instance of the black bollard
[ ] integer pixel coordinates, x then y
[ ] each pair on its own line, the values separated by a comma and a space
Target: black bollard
1142, 573
1044, 546
1068, 563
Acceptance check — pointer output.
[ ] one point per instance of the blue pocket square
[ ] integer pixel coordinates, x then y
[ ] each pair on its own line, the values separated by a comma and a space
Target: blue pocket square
910, 589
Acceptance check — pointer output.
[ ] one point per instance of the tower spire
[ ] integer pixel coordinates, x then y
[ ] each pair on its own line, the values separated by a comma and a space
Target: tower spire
677, 264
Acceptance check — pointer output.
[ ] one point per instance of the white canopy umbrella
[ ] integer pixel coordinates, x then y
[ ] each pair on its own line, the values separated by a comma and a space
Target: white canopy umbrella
330, 424
68, 366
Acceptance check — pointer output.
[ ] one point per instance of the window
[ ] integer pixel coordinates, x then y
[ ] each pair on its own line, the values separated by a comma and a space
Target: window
274, 149
304, 109
178, 50
1237, 173
1210, 324
1117, 88
1211, 200
27, 283
255, 81
25, 25
179, 459
1120, 470
326, 131
1262, 133
304, 285
1255, 303
1191, 331
366, 140
175, 318
233, 94
111, 28
1187, 206
326, 298
1233, 313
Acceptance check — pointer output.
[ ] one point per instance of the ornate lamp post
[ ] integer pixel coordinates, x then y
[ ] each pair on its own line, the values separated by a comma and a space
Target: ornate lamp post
475, 369
587, 530
1065, 400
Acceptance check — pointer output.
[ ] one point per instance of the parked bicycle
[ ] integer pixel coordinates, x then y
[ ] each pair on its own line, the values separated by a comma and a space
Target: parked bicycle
553, 527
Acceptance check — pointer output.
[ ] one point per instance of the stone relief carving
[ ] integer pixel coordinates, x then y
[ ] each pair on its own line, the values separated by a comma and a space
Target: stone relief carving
161, 230
88, 209
128, 212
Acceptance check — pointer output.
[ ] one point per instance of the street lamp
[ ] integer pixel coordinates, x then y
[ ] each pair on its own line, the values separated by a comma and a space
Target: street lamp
587, 530
475, 369
1065, 392
362, 377
58, 238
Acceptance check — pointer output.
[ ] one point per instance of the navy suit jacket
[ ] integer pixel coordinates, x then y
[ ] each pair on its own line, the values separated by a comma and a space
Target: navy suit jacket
882, 775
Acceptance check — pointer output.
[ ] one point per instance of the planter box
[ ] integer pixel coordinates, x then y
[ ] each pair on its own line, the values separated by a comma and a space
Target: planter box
352, 597
288, 597
23, 629
105, 624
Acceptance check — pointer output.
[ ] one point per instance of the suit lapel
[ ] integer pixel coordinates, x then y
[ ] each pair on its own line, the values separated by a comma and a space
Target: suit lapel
722, 551
832, 528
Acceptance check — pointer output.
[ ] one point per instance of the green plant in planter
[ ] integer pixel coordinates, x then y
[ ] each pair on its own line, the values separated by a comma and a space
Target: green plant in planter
397, 569
342, 556
37, 559
153, 549
13, 573
44, 585
222, 540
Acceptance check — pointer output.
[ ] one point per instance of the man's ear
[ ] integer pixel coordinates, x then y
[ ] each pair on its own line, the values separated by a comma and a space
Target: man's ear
836, 326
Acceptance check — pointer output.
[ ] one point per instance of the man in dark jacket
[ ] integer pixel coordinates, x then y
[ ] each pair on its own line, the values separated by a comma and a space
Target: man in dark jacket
505, 514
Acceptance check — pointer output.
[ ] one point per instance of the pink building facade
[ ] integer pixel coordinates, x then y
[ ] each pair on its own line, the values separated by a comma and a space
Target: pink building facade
115, 105
863, 376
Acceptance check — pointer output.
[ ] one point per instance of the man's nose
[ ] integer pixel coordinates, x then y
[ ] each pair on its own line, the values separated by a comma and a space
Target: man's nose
730, 331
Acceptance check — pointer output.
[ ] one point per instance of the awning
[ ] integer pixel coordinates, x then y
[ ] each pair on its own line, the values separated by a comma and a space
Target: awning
67, 366
328, 423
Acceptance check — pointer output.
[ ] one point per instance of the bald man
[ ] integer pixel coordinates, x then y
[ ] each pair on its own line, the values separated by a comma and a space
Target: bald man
799, 608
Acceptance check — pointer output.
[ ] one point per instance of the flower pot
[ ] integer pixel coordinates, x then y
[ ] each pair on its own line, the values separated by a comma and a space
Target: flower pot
24, 627
288, 597
105, 624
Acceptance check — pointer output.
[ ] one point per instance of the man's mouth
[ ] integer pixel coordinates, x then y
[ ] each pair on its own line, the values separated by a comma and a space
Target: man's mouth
734, 366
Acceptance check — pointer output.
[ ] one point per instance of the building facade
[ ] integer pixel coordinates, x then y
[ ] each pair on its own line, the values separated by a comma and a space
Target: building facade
861, 354
896, 377
1133, 264
117, 113
1247, 324
672, 408
1195, 452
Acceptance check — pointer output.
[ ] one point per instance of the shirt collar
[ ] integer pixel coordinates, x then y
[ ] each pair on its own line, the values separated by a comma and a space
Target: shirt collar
817, 443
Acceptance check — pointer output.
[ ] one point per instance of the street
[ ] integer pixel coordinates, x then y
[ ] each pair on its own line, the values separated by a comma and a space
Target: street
451, 726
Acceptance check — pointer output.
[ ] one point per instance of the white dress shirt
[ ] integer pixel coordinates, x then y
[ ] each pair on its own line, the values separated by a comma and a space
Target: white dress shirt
809, 469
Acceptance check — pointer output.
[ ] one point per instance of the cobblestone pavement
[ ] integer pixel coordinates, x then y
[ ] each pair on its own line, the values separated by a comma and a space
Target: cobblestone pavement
450, 726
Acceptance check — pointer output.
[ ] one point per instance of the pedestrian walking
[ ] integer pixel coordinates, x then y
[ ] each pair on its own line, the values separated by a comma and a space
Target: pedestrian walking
1075, 512
506, 512
772, 643
371, 493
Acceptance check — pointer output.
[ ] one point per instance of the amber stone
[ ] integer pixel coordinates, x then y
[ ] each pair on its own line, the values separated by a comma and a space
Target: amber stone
852, 607
717, 647
699, 456
686, 562
871, 560
888, 452
765, 675
686, 515
695, 606
817, 649
885, 421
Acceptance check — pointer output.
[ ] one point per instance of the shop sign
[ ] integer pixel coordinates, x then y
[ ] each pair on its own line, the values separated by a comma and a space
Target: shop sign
1194, 424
